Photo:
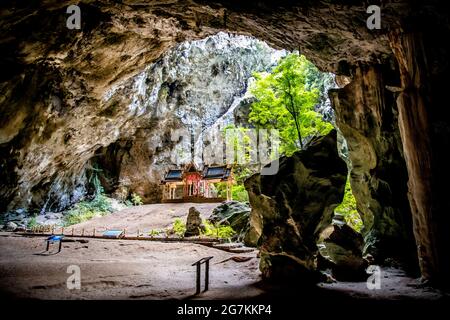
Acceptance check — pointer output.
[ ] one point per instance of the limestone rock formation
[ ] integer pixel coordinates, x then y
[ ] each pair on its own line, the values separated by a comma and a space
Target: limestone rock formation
258, 203
366, 116
422, 100
235, 214
193, 223
341, 247
129, 133
295, 205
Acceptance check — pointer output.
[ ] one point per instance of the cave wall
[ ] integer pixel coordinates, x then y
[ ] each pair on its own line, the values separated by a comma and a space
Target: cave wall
366, 114
424, 127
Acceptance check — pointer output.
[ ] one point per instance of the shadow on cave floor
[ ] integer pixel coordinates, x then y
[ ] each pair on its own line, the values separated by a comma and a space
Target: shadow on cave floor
162, 271
397, 289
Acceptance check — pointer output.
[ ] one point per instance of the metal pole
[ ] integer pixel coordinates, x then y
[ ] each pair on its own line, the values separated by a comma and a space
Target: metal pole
206, 275
198, 278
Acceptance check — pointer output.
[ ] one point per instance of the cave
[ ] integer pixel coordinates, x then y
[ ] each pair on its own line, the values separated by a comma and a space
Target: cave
73, 105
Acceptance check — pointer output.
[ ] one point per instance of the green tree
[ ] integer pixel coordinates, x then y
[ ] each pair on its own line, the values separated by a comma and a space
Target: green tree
285, 100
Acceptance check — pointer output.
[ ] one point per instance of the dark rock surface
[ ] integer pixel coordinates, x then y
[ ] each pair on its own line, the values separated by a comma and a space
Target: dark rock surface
366, 115
236, 215
342, 247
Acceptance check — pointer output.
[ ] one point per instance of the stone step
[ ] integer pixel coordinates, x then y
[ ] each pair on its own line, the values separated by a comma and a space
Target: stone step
241, 250
228, 246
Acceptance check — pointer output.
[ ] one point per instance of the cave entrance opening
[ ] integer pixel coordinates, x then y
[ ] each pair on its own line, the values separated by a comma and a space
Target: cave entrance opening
43, 155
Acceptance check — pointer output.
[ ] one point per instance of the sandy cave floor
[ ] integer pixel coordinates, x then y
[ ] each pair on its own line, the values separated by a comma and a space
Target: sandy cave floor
120, 269
144, 218
137, 269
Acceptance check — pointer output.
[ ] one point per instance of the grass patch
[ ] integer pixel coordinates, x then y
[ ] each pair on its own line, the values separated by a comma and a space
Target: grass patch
155, 232
86, 210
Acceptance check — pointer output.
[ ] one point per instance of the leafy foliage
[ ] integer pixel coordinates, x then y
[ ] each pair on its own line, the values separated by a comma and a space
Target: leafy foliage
86, 210
178, 228
285, 101
136, 199
238, 191
348, 209
217, 231
32, 223
154, 232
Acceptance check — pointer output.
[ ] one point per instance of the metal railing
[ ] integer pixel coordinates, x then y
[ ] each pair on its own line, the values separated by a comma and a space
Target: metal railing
198, 264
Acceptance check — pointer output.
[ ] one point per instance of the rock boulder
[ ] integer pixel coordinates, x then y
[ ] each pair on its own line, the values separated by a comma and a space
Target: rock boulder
235, 214
11, 226
193, 223
293, 206
341, 248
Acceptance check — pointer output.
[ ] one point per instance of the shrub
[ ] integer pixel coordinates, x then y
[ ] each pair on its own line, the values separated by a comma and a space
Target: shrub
128, 203
136, 199
178, 227
217, 231
32, 223
75, 217
86, 210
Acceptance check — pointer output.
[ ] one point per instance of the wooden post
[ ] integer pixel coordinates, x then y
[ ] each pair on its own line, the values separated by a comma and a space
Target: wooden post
82, 232
124, 232
93, 233
53, 230
62, 230
138, 233
72, 231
